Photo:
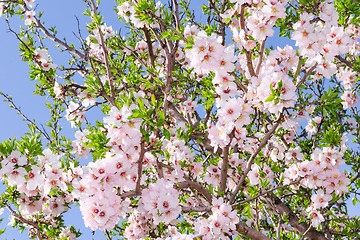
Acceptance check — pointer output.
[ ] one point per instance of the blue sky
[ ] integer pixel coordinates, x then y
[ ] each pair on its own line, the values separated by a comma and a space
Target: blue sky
15, 80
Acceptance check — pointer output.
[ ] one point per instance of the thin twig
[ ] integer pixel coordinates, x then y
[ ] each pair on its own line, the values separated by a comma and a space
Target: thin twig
140, 164
43, 132
262, 49
303, 79
253, 156
23, 220
55, 39
264, 193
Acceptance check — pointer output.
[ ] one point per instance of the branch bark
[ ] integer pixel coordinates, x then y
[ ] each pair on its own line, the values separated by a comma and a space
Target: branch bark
28, 222
303, 228
246, 231
196, 186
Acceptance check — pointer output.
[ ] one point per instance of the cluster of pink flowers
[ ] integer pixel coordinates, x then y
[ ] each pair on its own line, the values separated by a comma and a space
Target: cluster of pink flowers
222, 220
138, 226
100, 204
124, 133
29, 17
208, 54
273, 89
313, 125
320, 45
87, 99
263, 16
99, 189
67, 234
260, 22
316, 42
95, 43
188, 107
128, 12
43, 58
160, 202
233, 114
43, 187
255, 177
30, 14
322, 172
75, 114
78, 145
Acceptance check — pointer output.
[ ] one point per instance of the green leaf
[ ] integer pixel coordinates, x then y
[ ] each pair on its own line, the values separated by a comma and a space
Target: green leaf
161, 119
270, 98
141, 104
153, 100
167, 134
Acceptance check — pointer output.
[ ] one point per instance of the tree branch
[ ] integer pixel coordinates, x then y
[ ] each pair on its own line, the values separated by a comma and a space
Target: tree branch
55, 39
8, 99
23, 220
196, 186
253, 156
246, 231
303, 228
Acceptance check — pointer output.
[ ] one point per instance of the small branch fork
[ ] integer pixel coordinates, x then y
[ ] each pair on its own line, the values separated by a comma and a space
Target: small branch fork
253, 156
262, 193
28, 222
106, 58
55, 39
42, 131
284, 210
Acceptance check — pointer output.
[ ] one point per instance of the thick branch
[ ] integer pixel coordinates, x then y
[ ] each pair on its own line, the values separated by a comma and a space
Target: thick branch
195, 209
225, 164
303, 79
224, 168
246, 231
303, 228
149, 45
28, 222
196, 186
346, 62
140, 166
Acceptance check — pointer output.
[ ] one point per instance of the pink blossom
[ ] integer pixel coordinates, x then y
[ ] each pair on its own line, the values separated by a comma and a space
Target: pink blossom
29, 17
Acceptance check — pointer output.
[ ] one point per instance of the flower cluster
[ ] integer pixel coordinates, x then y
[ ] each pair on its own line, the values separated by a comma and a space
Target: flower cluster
29, 14
233, 114
75, 114
208, 54
322, 172
273, 89
100, 188
160, 202
43, 58
95, 41
42, 187
222, 220
127, 11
